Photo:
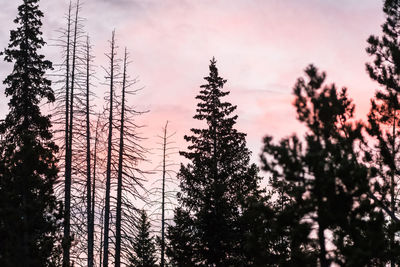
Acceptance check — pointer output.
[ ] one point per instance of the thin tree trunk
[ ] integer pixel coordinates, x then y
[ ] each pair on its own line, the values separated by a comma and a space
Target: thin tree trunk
120, 162
88, 166
108, 171
68, 167
101, 236
163, 198
392, 183
67, 190
94, 184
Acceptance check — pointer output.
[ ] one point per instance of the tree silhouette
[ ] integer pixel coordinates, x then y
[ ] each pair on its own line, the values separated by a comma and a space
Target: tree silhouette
163, 190
329, 184
180, 250
129, 176
68, 154
144, 248
29, 212
383, 117
217, 182
111, 77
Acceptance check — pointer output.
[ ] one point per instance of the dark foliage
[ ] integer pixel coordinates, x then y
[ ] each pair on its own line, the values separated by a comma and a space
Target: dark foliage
384, 125
29, 213
217, 182
324, 181
144, 247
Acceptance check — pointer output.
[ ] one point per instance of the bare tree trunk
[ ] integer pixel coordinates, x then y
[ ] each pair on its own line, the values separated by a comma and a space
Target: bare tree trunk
120, 162
94, 185
66, 243
101, 236
163, 197
108, 171
89, 211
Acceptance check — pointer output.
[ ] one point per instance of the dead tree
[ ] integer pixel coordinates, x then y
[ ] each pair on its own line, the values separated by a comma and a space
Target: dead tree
130, 177
89, 194
69, 113
64, 116
120, 159
164, 189
67, 191
111, 76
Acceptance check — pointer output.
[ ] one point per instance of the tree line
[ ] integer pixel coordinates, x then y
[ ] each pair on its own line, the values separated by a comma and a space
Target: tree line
70, 181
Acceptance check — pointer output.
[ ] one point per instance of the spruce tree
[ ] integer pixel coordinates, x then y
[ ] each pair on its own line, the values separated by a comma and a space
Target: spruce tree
180, 250
29, 212
144, 248
218, 180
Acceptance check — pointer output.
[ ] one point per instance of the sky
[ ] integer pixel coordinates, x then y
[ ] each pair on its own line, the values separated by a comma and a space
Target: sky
261, 48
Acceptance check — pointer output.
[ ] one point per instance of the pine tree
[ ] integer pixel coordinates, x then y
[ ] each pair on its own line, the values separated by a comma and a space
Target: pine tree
218, 181
29, 212
289, 233
384, 125
329, 183
144, 248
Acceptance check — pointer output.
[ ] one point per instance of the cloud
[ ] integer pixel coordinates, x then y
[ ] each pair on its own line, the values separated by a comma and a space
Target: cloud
262, 47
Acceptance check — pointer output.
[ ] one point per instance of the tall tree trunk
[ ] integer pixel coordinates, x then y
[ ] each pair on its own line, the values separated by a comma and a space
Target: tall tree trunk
89, 210
67, 190
108, 171
94, 182
120, 162
101, 236
163, 197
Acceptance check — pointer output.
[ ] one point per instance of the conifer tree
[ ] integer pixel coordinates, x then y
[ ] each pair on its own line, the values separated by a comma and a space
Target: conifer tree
384, 125
180, 250
29, 212
329, 184
218, 180
144, 248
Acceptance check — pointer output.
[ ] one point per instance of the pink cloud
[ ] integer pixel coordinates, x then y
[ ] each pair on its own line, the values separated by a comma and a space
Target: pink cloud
262, 47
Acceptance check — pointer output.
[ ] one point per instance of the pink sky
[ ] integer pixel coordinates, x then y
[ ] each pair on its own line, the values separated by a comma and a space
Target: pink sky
262, 47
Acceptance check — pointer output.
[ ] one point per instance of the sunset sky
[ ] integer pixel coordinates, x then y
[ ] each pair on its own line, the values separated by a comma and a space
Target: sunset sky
262, 47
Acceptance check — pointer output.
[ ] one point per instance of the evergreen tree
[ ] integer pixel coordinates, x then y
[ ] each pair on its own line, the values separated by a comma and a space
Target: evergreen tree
384, 125
144, 248
217, 182
289, 233
181, 250
29, 212
329, 183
